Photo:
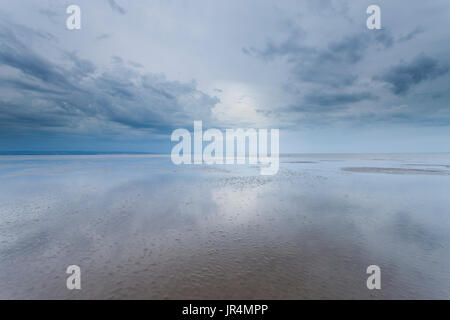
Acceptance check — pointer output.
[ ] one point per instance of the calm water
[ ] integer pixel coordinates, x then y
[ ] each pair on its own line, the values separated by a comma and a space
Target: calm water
140, 227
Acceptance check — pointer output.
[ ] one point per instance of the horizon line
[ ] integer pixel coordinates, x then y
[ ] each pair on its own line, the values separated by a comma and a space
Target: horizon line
77, 152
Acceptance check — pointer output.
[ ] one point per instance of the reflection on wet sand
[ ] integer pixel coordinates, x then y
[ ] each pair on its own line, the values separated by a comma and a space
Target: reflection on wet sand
140, 227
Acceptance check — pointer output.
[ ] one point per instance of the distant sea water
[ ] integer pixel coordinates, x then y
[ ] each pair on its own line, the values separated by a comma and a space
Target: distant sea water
140, 227
47, 153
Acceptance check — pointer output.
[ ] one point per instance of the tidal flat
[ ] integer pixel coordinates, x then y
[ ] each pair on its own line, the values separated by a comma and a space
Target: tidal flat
140, 227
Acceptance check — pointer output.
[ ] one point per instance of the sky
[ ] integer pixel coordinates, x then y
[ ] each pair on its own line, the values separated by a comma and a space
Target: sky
137, 70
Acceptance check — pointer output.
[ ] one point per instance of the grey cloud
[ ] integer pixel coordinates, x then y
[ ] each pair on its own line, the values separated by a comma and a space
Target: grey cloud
289, 47
326, 100
351, 49
81, 67
113, 4
103, 36
330, 81
323, 75
43, 94
318, 107
135, 64
48, 13
328, 65
26, 86
15, 53
406, 75
117, 60
411, 35
328, 7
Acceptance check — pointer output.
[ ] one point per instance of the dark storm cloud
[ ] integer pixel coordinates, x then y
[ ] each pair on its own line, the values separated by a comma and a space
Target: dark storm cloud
336, 99
25, 86
328, 65
336, 80
404, 76
81, 67
113, 4
317, 106
38, 93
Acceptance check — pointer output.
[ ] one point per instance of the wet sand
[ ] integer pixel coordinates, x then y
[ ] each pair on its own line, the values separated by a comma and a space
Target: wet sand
141, 228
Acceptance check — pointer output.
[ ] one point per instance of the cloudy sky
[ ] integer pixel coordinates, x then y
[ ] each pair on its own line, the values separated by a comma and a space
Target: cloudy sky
139, 69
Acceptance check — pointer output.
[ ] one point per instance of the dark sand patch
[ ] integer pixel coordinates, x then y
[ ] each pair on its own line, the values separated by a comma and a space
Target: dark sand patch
210, 169
394, 170
427, 165
299, 162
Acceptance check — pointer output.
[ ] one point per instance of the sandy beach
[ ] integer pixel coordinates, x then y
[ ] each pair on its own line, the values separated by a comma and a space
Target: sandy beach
140, 227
